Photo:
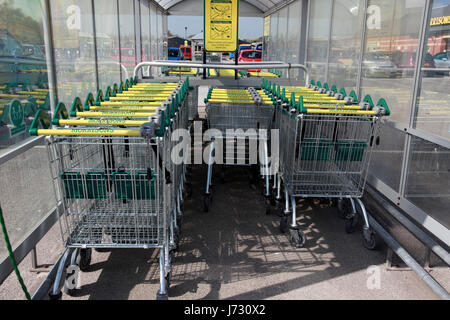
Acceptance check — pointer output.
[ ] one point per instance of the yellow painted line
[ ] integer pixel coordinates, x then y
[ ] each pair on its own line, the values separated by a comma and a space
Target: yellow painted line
89, 132
96, 122
96, 114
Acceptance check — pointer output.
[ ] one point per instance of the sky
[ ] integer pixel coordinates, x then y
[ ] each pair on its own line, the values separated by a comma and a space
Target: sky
249, 27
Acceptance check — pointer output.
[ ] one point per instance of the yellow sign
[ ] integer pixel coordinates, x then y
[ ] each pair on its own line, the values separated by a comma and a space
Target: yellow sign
439, 21
266, 26
221, 25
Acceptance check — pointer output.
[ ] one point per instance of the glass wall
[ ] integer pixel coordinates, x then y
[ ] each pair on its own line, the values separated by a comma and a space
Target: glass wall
90, 40
127, 37
410, 163
318, 34
145, 35
165, 26
280, 46
153, 34
345, 43
273, 42
107, 37
23, 89
392, 39
293, 32
433, 108
74, 48
428, 177
23, 68
283, 42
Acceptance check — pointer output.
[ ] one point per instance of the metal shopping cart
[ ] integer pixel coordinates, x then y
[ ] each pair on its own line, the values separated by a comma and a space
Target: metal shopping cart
325, 153
116, 185
240, 118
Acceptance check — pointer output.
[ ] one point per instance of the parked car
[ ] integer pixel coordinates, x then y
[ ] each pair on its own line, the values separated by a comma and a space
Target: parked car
428, 63
379, 64
442, 61
405, 62
187, 52
250, 56
175, 54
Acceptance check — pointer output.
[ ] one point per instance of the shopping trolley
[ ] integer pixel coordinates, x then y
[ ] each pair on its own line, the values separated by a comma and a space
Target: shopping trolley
325, 153
115, 183
242, 118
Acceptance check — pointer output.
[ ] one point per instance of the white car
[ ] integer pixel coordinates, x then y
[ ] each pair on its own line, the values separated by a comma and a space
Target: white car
442, 61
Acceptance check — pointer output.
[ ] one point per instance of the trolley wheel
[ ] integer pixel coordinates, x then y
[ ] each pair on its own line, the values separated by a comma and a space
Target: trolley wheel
284, 225
268, 206
280, 209
344, 208
187, 191
168, 280
160, 296
85, 259
350, 224
206, 202
370, 239
57, 296
297, 238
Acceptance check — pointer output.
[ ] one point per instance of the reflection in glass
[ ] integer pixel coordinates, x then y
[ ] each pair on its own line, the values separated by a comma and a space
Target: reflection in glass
282, 33
273, 42
345, 43
428, 181
293, 35
392, 39
23, 69
127, 37
145, 35
107, 36
317, 49
433, 111
73, 44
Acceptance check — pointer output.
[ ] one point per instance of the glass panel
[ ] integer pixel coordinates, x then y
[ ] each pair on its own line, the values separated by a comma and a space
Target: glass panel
319, 28
433, 112
153, 34
389, 55
345, 43
127, 37
73, 42
107, 36
145, 35
428, 180
282, 31
387, 157
23, 69
273, 36
24, 200
159, 23
165, 37
293, 34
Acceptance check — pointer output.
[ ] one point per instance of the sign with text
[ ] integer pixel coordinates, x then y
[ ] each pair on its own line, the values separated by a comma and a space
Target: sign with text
221, 25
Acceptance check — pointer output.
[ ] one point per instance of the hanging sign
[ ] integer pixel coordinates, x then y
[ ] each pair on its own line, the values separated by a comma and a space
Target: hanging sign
221, 25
